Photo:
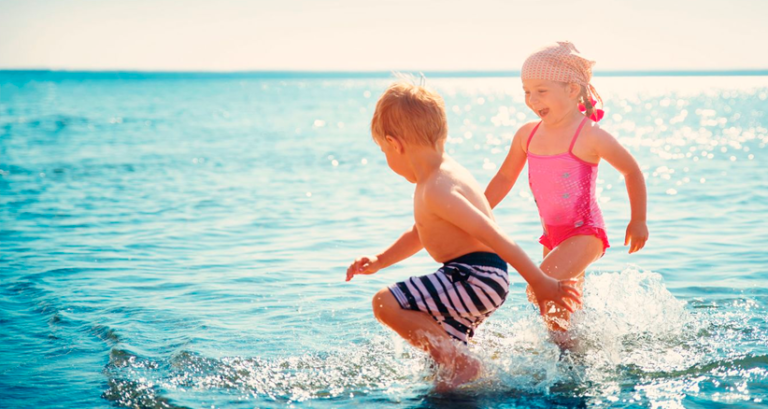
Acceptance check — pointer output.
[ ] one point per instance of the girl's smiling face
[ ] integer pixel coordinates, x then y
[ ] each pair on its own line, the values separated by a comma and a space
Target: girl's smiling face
552, 101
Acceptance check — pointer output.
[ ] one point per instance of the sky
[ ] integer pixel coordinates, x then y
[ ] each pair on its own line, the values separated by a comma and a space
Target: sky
381, 35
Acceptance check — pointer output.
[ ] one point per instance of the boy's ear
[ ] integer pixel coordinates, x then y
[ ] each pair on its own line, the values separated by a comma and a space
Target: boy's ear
396, 143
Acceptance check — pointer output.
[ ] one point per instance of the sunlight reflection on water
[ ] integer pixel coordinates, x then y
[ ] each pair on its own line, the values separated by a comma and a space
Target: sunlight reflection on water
182, 243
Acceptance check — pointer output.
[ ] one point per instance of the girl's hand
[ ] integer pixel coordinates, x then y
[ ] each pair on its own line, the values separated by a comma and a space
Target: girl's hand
559, 292
363, 265
637, 235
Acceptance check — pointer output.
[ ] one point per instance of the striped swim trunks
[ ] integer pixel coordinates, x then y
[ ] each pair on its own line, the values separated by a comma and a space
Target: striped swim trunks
459, 295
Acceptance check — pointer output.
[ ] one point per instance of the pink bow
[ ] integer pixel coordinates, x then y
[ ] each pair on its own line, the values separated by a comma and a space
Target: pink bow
597, 116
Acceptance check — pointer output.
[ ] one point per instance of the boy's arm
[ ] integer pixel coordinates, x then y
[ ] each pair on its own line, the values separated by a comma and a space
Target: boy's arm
611, 150
505, 178
448, 204
407, 245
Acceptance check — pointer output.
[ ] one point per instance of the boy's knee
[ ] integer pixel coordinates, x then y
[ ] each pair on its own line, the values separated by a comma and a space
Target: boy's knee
382, 304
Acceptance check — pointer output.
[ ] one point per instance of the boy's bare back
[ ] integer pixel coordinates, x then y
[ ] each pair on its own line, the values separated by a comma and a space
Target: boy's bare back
442, 239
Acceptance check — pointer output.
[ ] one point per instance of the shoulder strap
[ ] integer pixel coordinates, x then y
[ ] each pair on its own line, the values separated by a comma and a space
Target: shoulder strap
531, 136
578, 130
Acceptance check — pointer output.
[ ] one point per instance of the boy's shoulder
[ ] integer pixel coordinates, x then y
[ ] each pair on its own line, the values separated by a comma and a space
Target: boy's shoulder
448, 177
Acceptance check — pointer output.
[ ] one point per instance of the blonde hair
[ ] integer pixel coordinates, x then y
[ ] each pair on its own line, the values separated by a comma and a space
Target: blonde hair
585, 98
412, 113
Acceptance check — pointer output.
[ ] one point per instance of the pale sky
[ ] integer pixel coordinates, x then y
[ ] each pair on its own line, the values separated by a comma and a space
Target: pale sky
381, 35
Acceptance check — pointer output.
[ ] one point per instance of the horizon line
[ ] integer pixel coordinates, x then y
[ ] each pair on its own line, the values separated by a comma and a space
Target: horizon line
309, 74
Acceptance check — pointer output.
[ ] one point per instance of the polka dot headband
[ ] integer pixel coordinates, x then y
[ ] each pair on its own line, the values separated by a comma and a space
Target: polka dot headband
558, 62
562, 62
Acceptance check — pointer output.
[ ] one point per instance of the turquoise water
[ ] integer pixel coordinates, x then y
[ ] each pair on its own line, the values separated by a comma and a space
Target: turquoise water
182, 241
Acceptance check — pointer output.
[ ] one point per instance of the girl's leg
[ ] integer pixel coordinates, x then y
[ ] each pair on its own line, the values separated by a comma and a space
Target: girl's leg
569, 260
423, 332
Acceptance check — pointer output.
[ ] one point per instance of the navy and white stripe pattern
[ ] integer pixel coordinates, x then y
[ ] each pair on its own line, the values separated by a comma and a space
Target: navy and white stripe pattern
459, 295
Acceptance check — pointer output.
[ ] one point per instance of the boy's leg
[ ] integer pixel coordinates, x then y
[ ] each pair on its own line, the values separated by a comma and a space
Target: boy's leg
416, 327
423, 332
569, 260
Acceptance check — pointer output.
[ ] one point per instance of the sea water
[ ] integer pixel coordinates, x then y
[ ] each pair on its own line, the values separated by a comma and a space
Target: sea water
181, 241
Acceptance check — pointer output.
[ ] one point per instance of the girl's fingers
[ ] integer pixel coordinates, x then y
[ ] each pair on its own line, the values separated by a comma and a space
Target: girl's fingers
572, 284
575, 295
565, 305
637, 243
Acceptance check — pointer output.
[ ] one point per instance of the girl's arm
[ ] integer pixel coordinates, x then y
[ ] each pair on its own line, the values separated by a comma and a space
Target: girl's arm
505, 178
407, 245
611, 150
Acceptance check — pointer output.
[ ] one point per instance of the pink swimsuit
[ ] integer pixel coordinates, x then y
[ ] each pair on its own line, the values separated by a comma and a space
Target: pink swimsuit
564, 189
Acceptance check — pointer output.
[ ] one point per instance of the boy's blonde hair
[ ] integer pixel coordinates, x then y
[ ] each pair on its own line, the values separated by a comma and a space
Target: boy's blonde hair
412, 113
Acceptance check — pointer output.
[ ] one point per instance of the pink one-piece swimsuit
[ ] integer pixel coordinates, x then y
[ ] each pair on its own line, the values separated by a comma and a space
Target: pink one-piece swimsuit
564, 189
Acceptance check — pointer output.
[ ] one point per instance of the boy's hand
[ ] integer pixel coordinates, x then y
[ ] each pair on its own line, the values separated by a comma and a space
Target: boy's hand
363, 265
637, 235
557, 292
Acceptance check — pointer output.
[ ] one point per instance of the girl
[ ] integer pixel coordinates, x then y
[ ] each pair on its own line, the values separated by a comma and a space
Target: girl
563, 149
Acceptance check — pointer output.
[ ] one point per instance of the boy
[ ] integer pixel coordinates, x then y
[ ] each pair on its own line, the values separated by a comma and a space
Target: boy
455, 225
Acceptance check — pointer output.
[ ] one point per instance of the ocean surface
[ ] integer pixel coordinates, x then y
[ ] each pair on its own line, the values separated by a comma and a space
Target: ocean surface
181, 241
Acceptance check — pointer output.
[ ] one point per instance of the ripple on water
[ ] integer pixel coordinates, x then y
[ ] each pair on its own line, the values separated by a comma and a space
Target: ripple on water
632, 331
185, 239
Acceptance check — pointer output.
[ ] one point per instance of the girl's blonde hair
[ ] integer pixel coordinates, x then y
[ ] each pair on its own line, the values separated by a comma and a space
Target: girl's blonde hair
562, 62
587, 95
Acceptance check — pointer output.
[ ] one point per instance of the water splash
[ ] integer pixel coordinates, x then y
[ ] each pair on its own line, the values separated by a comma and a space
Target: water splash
631, 331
